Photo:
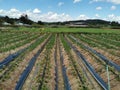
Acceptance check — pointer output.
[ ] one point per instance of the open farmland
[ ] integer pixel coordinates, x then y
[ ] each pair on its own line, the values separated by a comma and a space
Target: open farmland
72, 59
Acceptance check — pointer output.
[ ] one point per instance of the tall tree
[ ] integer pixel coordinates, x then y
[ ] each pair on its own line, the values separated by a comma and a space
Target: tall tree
8, 20
24, 19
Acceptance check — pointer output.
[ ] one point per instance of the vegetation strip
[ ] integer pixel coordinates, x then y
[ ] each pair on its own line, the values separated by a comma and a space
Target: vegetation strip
43, 75
11, 57
89, 67
107, 61
95, 43
66, 81
28, 69
67, 48
70, 60
45, 70
56, 65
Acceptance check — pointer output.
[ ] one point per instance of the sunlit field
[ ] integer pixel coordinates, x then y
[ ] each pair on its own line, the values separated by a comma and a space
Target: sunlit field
59, 58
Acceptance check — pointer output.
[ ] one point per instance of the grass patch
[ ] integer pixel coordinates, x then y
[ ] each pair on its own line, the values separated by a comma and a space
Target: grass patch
67, 30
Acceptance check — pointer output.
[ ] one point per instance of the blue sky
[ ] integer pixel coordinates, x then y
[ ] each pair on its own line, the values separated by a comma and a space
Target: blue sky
62, 10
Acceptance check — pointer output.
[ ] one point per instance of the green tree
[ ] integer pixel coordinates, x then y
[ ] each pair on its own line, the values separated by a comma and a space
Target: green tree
8, 20
24, 19
40, 23
113, 23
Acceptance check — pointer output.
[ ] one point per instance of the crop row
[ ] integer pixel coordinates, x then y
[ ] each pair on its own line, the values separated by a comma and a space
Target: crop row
61, 62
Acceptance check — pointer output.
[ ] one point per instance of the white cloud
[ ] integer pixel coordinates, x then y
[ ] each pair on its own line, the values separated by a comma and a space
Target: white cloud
47, 17
92, 1
97, 15
99, 8
2, 11
83, 17
76, 1
113, 17
114, 1
36, 11
14, 10
51, 17
14, 13
60, 3
111, 1
113, 7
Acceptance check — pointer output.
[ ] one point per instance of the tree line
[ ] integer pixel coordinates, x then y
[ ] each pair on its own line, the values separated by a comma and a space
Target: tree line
24, 19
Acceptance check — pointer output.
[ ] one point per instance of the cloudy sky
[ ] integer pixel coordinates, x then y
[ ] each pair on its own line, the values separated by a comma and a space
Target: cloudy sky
62, 10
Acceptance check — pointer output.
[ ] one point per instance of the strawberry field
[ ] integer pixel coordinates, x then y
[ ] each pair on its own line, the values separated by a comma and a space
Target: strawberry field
32, 60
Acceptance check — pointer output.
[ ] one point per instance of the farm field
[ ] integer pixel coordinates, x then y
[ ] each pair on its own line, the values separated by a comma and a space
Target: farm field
59, 59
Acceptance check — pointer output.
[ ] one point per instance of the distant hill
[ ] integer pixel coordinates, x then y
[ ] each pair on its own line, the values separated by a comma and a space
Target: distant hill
24, 20
88, 23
